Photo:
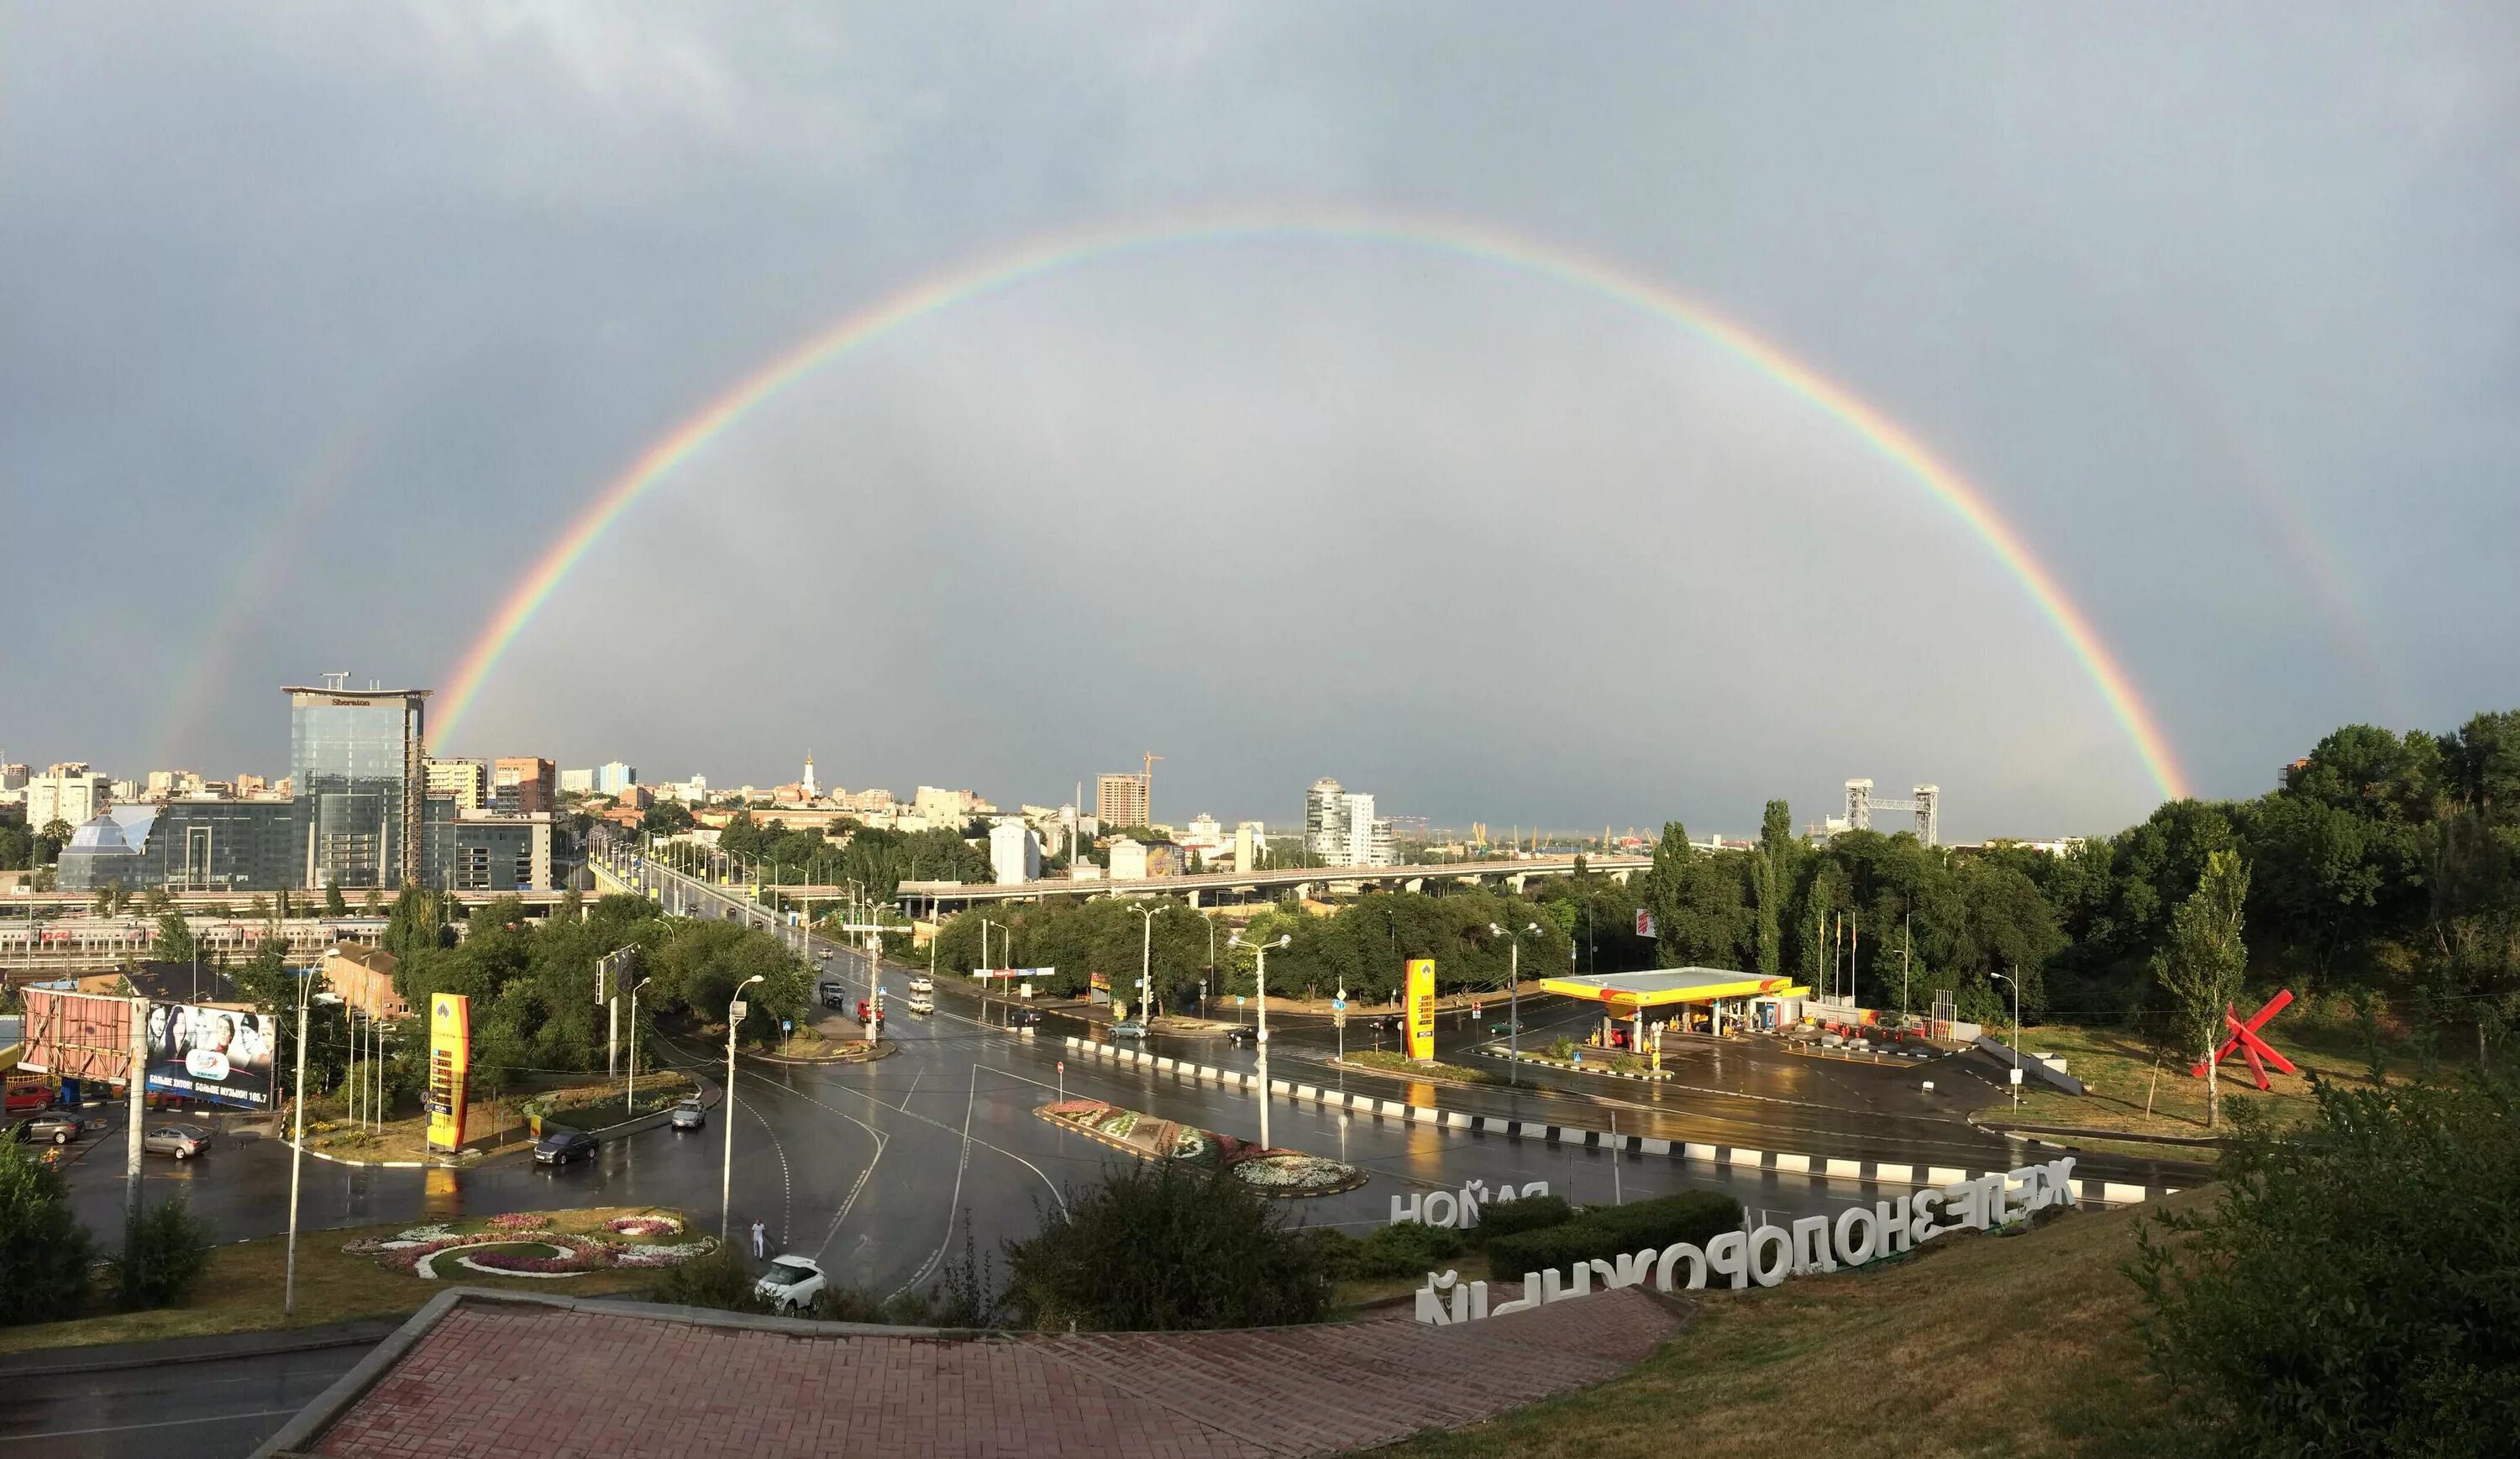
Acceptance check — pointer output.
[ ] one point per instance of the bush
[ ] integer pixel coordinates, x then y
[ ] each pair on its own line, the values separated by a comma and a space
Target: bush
2355, 1286
44, 1253
1406, 1249
1166, 1246
1692, 1217
1514, 1217
165, 1256
720, 1279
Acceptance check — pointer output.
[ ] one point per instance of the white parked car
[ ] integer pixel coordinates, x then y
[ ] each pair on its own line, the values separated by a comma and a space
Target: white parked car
920, 1002
791, 1284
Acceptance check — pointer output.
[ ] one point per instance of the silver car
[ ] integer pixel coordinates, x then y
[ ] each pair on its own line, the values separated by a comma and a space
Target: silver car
689, 1115
182, 1141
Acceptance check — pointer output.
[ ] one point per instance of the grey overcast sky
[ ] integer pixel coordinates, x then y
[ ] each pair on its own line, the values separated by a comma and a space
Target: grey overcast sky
321, 324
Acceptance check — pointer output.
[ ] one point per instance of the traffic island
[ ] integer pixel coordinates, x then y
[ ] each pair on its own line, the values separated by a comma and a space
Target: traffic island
506, 1125
850, 1051
1268, 1170
538, 1244
1379, 1061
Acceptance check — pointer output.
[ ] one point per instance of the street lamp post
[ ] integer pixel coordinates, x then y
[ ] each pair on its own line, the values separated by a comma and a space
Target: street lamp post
1260, 989
2015, 981
726, 1177
1513, 1001
1145, 966
630, 1098
296, 1153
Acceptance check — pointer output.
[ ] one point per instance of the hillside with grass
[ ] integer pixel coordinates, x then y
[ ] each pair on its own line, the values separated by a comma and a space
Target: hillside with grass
1979, 1343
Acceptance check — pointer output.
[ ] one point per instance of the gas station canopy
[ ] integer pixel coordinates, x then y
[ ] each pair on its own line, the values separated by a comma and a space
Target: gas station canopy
1670, 987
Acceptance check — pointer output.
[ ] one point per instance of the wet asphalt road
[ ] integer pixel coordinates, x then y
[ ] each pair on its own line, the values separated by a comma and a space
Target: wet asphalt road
218, 1409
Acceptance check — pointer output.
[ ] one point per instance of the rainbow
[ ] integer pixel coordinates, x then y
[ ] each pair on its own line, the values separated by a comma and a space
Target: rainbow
254, 581
1048, 254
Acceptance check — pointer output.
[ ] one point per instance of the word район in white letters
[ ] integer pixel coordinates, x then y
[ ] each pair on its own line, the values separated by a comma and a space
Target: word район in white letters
1770, 1254
1441, 1208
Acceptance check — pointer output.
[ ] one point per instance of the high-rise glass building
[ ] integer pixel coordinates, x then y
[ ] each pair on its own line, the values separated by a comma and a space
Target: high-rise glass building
356, 757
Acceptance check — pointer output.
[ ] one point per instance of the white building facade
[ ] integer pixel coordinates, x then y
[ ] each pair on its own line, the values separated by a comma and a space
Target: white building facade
71, 794
1340, 828
1015, 852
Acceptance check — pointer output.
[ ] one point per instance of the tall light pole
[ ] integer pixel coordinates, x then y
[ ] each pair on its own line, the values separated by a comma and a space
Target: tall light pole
2015, 981
983, 968
1145, 967
630, 1100
1260, 988
1514, 1001
735, 1011
297, 1152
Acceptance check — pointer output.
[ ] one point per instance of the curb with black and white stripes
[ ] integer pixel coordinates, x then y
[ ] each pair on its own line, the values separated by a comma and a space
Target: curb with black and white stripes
1737, 1157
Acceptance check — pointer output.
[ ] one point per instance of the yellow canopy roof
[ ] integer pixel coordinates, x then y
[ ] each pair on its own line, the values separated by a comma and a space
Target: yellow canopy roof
1672, 986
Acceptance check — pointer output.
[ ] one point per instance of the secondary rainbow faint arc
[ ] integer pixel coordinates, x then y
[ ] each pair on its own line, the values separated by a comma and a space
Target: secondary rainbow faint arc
1037, 257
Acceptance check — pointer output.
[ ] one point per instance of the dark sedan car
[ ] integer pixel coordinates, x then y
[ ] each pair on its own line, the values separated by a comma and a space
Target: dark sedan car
560, 1147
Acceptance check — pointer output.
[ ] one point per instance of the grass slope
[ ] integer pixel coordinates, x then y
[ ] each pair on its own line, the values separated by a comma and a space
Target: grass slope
1979, 1344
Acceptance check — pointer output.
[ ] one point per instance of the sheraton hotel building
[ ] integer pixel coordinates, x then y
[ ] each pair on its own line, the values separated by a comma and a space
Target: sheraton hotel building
362, 817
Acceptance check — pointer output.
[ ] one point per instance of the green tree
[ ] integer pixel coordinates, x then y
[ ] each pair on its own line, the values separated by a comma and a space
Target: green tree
1771, 883
44, 1252
2349, 1288
165, 1256
335, 903
175, 940
667, 819
49, 841
2204, 962
1162, 1247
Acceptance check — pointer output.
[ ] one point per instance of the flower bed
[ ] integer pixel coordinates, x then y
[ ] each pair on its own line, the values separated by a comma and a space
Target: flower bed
1266, 1171
500, 1247
644, 1225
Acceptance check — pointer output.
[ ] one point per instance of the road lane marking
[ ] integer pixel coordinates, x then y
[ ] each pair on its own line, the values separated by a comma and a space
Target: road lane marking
955, 1201
222, 1418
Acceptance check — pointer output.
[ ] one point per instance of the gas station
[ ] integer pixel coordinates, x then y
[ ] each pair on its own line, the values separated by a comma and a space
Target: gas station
1699, 998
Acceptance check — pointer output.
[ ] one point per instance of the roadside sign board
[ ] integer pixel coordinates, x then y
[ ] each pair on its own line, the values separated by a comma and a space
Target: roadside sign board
450, 1058
1421, 1007
736, 1010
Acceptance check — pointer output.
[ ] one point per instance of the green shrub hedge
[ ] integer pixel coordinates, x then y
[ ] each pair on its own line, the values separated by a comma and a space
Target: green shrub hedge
1404, 1251
1514, 1217
1607, 1230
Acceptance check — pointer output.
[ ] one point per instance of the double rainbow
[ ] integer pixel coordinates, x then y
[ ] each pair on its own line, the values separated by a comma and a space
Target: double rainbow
1033, 259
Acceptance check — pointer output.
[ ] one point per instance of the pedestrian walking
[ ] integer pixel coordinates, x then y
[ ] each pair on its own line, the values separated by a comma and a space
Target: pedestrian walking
760, 1245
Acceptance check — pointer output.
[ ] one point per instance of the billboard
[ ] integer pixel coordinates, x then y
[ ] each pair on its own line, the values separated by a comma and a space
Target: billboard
1421, 1007
1645, 923
218, 1054
1098, 987
450, 1058
77, 1034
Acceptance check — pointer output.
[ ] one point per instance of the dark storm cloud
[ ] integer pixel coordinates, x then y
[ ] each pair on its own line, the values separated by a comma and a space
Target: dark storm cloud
2218, 308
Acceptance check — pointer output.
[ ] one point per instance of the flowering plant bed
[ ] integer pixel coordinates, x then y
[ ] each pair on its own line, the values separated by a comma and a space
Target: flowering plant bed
1266, 1170
535, 1244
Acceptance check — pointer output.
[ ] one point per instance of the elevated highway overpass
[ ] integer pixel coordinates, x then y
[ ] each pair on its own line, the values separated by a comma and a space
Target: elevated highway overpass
929, 899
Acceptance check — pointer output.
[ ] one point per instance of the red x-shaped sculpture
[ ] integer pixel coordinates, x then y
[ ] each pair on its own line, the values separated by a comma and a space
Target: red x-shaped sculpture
2245, 1037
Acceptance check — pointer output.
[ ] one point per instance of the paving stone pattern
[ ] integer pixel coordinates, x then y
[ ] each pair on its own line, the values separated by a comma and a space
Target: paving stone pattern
493, 1379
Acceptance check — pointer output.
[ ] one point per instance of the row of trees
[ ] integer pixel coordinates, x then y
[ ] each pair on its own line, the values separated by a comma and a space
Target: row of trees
1362, 947
532, 985
2386, 863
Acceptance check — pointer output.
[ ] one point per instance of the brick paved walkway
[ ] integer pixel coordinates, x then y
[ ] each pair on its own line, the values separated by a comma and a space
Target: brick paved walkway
496, 1377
